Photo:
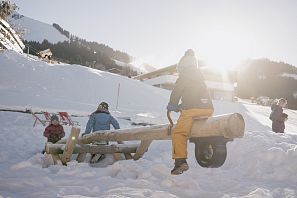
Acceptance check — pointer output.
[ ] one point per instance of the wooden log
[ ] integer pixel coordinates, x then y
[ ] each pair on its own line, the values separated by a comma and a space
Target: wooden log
117, 156
227, 125
128, 156
92, 149
70, 144
142, 133
81, 157
143, 147
56, 159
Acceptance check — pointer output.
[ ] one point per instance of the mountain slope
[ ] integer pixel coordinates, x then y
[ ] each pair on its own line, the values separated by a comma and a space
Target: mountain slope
36, 30
32, 83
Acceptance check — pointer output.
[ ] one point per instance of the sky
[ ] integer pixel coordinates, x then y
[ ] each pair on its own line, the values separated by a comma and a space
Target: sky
222, 33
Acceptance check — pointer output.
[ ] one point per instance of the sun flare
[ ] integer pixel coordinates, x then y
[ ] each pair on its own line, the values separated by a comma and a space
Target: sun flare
224, 47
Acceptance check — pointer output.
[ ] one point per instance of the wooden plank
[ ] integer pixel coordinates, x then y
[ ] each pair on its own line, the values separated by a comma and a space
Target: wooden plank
141, 133
69, 147
56, 159
92, 149
128, 156
81, 157
143, 147
117, 156
227, 125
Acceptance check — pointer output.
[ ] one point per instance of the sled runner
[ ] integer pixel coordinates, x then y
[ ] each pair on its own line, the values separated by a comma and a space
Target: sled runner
210, 136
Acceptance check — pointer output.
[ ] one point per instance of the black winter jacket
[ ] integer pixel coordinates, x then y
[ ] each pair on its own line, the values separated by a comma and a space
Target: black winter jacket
278, 119
191, 89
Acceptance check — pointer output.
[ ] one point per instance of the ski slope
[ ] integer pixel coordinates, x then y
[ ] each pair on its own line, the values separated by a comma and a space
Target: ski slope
32, 84
261, 164
33, 29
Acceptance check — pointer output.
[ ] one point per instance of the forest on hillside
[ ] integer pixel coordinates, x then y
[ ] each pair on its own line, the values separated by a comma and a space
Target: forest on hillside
80, 51
264, 77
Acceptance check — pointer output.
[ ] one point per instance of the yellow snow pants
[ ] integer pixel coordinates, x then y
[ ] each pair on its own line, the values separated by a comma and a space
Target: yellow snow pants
182, 130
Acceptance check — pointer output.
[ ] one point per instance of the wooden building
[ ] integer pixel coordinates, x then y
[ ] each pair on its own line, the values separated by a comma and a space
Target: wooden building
221, 85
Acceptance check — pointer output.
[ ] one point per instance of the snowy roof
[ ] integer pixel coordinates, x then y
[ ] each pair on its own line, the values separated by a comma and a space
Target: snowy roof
289, 75
171, 79
166, 79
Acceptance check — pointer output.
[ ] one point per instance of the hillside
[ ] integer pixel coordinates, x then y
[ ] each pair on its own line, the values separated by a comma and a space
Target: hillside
26, 83
263, 77
33, 28
68, 48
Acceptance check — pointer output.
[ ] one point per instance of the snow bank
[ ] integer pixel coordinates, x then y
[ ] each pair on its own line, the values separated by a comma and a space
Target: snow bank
262, 164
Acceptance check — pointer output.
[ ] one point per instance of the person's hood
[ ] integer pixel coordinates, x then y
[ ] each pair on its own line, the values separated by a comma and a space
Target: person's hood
101, 110
275, 106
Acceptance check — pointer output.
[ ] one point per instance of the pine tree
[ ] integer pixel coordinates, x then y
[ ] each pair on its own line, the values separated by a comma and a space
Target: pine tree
6, 8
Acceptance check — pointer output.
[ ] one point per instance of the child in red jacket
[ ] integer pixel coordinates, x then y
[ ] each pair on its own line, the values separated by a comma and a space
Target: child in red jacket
54, 131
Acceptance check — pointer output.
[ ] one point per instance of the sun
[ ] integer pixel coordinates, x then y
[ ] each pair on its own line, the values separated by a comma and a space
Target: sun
224, 47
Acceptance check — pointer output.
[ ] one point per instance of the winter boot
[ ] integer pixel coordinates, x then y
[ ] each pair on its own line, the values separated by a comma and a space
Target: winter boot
180, 166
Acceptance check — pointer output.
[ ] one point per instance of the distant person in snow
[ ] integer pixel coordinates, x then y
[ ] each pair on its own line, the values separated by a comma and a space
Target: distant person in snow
100, 120
191, 89
277, 116
54, 131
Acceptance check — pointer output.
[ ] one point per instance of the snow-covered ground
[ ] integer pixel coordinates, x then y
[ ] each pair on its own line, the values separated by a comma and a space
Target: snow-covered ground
261, 164
33, 28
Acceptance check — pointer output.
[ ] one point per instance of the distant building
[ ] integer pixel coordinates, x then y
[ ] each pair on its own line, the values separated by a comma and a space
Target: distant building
221, 85
45, 54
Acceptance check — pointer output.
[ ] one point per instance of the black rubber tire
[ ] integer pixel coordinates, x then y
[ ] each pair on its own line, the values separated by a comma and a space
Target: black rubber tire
210, 155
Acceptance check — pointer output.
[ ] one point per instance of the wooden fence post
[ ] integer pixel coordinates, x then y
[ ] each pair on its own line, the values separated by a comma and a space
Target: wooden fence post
70, 144
142, 148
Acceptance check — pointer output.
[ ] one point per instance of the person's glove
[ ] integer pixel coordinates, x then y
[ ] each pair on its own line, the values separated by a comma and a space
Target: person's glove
53, 138
174, 108
284, 116
61, 135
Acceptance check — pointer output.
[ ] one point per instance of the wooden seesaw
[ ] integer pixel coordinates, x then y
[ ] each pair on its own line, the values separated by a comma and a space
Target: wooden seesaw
210, 136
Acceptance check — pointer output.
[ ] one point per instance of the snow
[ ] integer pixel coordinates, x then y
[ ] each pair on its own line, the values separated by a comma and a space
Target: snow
261, 164
33, 29
72, 88
223, 86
